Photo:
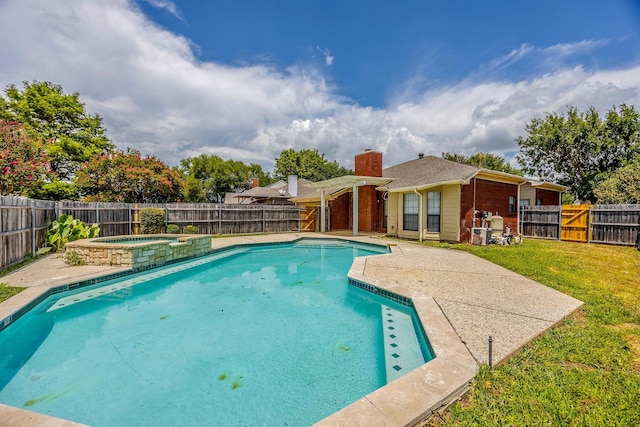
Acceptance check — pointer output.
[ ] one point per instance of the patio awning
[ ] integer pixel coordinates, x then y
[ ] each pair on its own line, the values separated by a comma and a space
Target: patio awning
349, 181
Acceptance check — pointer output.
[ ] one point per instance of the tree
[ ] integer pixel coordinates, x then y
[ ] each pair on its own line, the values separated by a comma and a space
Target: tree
209, 177
307, 164
580, 150
484, 160
49, 114
129, 177
23, 163
623, 186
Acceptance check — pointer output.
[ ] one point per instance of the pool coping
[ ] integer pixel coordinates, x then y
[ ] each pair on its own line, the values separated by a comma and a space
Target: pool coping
415, 396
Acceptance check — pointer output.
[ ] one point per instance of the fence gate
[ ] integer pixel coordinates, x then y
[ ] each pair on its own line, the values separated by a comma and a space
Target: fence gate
308, 219
575, 223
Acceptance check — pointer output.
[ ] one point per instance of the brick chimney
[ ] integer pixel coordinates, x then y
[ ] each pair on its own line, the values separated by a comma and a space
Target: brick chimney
368, 163
255, 182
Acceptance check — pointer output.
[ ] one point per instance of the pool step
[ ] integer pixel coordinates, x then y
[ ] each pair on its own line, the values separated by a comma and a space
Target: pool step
402, 352
113, 288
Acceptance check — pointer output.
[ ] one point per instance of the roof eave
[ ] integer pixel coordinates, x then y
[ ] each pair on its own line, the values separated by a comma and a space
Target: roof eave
549, 186
424, 186
500, 176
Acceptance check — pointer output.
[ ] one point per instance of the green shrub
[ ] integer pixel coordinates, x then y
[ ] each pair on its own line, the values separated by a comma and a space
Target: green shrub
190, 229
73, 258
173, 229
66, 229
151, 220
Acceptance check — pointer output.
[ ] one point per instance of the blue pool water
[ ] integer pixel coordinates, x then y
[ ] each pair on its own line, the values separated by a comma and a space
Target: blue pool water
271, 335
134, 240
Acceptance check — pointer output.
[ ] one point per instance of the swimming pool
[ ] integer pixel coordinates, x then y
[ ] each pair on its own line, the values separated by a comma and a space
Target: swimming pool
260, 336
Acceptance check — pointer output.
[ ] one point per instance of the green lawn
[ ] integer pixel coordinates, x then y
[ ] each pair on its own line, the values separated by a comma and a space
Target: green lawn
585, 372
7, 292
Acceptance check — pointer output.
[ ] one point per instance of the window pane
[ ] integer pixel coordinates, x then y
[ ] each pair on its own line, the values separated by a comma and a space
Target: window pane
410, 212
410, 203
410, 222
433, 211
433, 203
433, 223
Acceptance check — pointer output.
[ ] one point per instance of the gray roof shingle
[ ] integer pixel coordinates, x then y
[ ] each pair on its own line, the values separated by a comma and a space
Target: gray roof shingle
427, 170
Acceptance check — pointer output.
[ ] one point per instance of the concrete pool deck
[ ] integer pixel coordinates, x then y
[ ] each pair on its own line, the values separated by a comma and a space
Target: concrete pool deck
460, 299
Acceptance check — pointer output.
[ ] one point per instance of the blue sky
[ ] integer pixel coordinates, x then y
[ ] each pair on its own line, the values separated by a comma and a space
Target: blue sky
247, 79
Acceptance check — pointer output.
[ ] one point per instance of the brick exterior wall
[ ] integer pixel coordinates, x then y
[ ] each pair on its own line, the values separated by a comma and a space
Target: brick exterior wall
340, 209
549, 198
490, 196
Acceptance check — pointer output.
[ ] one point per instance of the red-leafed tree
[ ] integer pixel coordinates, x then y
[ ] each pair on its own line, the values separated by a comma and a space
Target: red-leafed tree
23, 163
127, 176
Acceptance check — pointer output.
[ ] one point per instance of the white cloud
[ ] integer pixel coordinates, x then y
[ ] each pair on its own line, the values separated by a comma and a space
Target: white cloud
328, 59
167, 5
156, 96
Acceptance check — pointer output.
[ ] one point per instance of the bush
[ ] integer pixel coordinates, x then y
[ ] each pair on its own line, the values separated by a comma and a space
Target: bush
190, 229
66, 229
73, 258
173, 229
151, 220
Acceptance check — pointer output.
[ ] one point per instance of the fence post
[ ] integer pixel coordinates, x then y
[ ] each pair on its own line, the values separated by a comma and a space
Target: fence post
264, 221
130, 218
98, 213
299, 219
136, 219
520, 220
33, 227
166, 217
219, 220
56, 211
589, 224
560, 223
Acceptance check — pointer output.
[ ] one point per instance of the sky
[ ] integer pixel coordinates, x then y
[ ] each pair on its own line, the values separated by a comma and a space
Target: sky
247, 79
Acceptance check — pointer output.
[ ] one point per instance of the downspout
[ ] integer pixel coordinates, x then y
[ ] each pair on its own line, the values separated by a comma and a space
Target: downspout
419, 214
474, 201
518, 210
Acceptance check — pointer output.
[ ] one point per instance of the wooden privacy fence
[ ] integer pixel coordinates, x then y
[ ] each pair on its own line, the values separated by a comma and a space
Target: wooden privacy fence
610, 224
23, 227
541, 221
24, 222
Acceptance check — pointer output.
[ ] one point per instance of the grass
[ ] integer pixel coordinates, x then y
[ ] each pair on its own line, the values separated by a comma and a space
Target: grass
585, 372
7, 292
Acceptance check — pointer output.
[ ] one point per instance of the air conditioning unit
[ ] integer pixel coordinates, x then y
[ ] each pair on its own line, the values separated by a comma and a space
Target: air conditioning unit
480, 236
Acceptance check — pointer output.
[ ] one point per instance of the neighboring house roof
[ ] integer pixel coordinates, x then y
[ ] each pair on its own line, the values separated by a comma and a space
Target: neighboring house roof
277, 190
231, 198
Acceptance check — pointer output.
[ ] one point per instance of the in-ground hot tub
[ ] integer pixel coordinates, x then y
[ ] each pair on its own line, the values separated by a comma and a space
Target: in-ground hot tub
139, 252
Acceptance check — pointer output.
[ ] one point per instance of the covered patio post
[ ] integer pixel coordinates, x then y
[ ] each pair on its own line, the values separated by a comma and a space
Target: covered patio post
322, 211
355, 209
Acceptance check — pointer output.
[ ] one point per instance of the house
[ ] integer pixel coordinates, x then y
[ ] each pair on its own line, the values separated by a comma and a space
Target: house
427, 198
278, 193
